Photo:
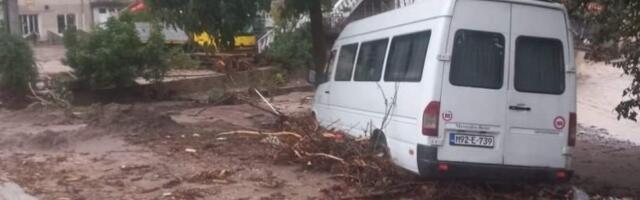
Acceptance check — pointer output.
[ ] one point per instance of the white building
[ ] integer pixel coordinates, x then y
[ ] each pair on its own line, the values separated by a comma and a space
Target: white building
46, 20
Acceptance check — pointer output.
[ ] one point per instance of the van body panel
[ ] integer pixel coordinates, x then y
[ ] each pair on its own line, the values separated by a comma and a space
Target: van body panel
546, 123
361, 105
466, 108
475, 111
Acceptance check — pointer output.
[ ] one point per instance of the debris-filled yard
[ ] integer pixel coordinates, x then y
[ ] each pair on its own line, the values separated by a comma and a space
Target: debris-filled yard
238, 147
184, 150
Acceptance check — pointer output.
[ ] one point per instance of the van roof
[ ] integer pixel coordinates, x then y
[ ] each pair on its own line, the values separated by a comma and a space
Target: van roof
420, 11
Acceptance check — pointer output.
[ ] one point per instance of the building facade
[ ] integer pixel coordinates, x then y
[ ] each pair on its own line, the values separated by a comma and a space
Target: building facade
9, 16
3, 16
47, 20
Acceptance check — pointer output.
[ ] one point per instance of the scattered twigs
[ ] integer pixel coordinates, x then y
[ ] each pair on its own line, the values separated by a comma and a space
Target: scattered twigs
256, 133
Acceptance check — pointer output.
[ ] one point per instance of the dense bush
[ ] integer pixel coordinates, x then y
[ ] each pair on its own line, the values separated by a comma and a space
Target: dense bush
17, 66
114, 56
291, 48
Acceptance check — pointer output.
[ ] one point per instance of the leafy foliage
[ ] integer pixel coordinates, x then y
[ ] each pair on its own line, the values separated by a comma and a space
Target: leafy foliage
293, 9
17, 65
221, 19
115, 55
291, 48
612, 29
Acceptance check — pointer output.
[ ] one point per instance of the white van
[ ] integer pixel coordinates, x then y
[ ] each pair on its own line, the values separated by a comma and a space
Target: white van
459, 88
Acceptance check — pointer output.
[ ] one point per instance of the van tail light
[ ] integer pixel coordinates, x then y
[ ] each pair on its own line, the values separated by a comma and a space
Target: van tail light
430, 119
572, 129
561, 175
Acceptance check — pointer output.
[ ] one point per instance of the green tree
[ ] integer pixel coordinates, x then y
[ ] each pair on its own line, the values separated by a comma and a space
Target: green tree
612, 32
17, 66
221, 19
291, 47
313, 9
116, 56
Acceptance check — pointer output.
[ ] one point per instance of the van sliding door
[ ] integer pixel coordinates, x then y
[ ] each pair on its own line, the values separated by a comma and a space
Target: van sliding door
474, 91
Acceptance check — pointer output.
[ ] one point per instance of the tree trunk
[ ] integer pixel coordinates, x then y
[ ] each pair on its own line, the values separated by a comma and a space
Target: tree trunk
317, 35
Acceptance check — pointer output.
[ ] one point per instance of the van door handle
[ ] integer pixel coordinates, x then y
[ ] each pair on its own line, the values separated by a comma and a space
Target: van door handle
520, 108
327, 92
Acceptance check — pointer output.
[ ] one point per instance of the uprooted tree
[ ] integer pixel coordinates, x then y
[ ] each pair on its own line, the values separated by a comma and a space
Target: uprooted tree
610, 33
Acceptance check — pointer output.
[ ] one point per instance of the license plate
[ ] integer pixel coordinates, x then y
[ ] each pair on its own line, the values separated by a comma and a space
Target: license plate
471, 140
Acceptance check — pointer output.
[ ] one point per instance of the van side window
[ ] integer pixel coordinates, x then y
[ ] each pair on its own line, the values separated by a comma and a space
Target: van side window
478, 59
407, 56
345, 62
328, 68
370, 60
539, 65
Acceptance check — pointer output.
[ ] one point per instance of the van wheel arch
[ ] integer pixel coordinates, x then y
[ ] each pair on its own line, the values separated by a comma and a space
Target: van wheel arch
379, 142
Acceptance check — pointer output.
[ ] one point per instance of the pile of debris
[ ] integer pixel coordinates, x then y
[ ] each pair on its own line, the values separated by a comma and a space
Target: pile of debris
370, 174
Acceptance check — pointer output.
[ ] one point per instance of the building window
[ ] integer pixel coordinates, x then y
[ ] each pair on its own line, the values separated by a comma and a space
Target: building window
30, 24
102, 10
65, 22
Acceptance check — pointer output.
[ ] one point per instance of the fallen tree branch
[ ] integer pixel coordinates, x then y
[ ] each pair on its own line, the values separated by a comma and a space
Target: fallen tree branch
256, 133
42, 101
267, 102
327, 156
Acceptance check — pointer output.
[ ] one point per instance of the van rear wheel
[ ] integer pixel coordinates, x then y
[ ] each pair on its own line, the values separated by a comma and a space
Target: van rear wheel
379, 144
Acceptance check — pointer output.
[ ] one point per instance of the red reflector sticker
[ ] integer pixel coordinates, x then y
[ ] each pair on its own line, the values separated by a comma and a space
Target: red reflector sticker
559, 123
443, 167
561, 174
447, 116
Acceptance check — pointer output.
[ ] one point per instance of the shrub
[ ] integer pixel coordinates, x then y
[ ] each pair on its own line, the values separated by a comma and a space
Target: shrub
17, 66
114, 56
291, 48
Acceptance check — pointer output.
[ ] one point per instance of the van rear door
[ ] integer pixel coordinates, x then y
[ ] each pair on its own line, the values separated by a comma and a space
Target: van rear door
539, 97
474, 94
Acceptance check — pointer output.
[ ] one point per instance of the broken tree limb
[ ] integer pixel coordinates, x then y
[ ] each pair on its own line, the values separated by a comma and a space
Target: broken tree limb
267, 102
263, 109
256, 133
324, 155
42, 101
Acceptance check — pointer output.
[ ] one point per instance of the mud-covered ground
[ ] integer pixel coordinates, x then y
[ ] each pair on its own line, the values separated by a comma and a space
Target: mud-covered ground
170, 150
142, 152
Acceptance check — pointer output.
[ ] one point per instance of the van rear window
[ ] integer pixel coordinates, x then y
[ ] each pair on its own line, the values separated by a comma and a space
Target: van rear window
406, 57
345, 62
478, 59
371, 60
539, 65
